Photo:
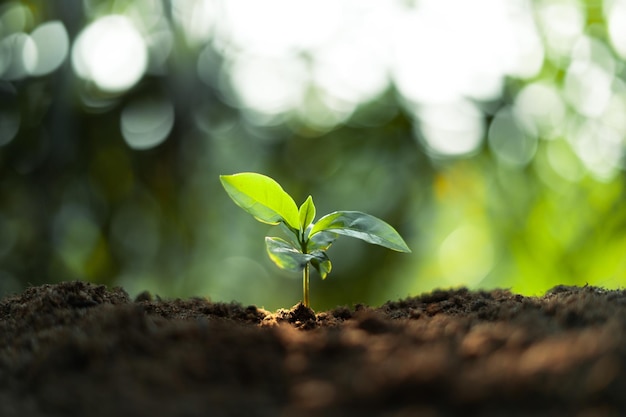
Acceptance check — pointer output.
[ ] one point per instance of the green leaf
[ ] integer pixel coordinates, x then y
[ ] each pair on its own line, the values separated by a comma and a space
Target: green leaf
361, 226
307, 213
321, 263
262, 197
285, 255
321, 241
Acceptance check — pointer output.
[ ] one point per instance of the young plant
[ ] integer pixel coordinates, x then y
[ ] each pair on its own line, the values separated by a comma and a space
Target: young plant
266, 200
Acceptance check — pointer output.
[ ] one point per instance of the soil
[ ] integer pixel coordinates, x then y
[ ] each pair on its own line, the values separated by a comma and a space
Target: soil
79, 349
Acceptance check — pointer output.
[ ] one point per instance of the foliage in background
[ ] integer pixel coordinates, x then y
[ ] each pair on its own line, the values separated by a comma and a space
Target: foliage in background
498, 153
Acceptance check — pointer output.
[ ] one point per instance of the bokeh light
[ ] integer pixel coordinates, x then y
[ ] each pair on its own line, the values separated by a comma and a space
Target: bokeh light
110, 52
466, 255
146, 123
615, 12
451, 129
562, 23
19, 53
540, 110
267, 86
509, 142
589, 77
491, 134
52, 46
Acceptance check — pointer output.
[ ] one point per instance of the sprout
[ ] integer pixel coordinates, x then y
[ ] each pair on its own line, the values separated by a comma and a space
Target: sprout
266, 200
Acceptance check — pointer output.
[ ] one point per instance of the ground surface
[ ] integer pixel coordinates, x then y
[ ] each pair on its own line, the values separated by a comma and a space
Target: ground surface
77, 349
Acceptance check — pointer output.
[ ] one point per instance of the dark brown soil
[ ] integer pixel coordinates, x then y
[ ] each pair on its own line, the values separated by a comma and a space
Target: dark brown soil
77, 349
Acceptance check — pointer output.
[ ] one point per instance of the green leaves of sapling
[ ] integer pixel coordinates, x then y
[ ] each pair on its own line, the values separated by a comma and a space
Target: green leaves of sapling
285, 255
288, 257
266, 200
321, 263
361, 226
321, 240
307, 213
262, 197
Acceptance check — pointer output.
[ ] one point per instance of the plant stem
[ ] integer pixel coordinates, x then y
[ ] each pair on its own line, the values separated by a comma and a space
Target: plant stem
305, 284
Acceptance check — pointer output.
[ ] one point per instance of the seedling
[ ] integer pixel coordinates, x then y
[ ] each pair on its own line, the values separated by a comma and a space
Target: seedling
266, 200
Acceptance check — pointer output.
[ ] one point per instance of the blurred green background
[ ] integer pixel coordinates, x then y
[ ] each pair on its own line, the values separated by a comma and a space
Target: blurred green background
489, 133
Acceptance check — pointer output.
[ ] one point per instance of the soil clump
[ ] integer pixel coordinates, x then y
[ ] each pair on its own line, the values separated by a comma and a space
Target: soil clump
79, 349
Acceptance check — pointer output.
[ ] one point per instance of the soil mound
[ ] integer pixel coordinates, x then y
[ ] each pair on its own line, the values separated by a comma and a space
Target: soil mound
77, 349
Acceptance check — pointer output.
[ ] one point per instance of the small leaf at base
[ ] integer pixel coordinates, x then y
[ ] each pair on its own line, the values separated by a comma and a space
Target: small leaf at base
285, 255
321, 263
321, 240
